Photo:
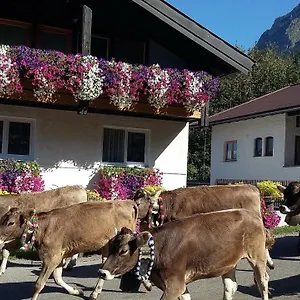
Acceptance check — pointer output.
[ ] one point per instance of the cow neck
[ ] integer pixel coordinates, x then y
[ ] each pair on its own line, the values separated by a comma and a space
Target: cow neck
146, 256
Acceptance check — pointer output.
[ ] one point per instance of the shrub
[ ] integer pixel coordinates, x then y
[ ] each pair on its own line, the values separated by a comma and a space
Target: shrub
269, 188
94, 196
121, 183
20, 177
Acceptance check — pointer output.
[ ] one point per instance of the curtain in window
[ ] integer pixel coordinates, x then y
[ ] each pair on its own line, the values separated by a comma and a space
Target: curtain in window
258, 147
136, 147
269, 146
19, 138
113, 145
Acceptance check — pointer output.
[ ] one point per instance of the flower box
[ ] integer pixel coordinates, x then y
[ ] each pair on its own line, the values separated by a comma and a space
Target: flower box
54, 75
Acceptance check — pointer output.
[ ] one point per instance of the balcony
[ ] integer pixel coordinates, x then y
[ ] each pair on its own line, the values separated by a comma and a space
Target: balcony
52, 77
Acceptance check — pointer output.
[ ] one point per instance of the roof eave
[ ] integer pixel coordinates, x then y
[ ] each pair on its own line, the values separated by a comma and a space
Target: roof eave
198, 34
253, 116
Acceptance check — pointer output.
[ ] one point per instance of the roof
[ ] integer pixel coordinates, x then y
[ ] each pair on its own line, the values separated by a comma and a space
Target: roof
284, 100
198, 34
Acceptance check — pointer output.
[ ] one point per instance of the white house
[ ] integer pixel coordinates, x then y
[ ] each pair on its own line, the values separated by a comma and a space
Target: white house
70, 147
258, 140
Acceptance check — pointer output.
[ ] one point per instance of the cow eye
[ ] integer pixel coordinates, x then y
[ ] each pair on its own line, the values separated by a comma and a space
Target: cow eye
11, 223
123, 252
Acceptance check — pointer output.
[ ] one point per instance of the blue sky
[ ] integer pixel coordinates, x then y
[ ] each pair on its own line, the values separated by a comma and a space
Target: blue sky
238, 22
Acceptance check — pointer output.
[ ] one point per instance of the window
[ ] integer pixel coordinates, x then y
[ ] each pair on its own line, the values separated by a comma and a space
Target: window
129, 51
124, 146
15, 139
297, 121
231, 151
99, 47
14, 33
269, 141
51, 38
258, 147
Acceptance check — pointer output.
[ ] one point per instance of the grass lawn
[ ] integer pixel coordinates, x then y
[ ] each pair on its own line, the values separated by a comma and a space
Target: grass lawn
286, 229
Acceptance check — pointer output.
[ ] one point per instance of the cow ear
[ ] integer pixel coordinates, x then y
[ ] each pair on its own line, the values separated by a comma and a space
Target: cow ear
157, 194
12, 210
24, 217
142, 239
281, 188
125, 230
140, 193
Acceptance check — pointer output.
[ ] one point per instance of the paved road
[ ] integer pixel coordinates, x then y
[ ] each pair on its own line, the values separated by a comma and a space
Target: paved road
17, 282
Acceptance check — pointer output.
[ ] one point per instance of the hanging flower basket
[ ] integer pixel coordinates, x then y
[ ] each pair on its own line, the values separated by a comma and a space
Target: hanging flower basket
88, 78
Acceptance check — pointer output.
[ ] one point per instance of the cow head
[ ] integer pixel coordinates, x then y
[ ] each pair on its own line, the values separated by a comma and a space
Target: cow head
123, 254
12, 224
291, 204
144, 200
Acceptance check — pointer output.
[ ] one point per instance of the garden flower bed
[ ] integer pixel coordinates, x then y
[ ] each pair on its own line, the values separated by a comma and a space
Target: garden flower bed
20, 177
121, 183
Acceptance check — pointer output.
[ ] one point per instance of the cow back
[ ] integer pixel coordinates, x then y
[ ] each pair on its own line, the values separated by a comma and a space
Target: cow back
47, 200
186, 202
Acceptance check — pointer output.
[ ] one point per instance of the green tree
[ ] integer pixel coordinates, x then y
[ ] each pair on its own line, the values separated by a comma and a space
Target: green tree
271, 72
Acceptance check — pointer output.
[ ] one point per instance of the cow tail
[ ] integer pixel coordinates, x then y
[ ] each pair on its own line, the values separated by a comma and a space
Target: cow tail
270, 239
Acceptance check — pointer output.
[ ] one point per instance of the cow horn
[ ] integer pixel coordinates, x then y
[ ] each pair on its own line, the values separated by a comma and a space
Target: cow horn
281, 188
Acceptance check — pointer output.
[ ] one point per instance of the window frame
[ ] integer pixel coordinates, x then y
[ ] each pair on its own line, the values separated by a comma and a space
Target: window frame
225, 151
25, 25
57, 30
266, 145
128, 163
255, 147
6, 120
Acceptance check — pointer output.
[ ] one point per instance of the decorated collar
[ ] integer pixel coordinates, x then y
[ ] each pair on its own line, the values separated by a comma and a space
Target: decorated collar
145, 262
28, 238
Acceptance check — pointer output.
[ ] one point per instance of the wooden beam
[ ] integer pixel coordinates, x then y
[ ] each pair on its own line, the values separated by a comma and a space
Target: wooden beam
86, 30
86, 40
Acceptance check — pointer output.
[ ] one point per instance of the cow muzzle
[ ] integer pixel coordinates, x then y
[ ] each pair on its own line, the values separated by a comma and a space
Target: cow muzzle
105, 274
284, 209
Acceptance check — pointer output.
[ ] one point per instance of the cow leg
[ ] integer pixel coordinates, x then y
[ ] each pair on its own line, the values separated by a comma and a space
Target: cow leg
5, 256
230, 285
270, 262
298, 247
72, 262
57, 274
261, 278
97, 289
186, 295
174, 289
48, 267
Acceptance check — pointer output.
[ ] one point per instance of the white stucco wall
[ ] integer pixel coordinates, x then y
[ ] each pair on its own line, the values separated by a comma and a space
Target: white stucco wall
68, 147
247, 166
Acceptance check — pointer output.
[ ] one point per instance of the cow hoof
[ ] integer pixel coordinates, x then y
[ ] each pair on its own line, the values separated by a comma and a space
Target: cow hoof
271, 267
78, 292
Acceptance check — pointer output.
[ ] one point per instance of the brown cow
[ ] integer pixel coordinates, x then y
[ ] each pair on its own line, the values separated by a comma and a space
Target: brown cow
291, 204
202, 246
185, 202
63, 232
41, 202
